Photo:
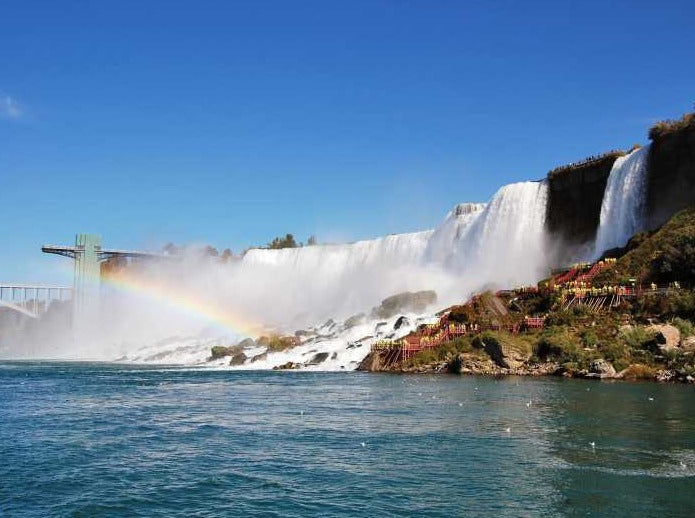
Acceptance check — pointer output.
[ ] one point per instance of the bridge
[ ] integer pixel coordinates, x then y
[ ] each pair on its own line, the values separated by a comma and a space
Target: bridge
87, 254
32, 300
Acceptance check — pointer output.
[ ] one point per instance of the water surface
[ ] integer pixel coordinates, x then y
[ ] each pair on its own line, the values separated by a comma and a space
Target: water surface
113, 440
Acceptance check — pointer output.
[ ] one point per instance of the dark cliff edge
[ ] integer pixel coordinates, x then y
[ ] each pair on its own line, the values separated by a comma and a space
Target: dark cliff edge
671, 169
575, 193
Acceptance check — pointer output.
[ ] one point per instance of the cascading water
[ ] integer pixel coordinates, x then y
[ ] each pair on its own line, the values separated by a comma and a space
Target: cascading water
623, 206
195, 302
505, 243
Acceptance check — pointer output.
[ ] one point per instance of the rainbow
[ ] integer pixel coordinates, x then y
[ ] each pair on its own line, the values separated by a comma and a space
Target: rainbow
181, 300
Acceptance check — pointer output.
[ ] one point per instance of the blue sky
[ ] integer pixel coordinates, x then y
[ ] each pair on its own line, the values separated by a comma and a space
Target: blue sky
231, 122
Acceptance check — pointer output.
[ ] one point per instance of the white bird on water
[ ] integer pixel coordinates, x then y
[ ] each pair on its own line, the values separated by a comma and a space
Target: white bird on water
508, 430
528, 405
363, 445
593, 445
683, 465
651, 399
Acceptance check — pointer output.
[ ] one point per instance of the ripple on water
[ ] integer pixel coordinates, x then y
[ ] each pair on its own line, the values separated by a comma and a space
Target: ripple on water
98, 439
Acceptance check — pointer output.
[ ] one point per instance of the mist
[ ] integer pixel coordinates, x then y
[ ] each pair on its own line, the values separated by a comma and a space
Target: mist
193, 300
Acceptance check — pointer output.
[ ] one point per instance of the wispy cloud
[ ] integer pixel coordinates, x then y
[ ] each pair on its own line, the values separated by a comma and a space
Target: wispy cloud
9, 107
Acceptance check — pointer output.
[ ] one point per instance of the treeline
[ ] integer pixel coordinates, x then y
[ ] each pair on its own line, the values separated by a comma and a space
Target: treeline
226, 255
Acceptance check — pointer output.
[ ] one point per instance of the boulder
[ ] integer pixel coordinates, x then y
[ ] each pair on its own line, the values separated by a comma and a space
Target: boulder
469, 363
259, 357
688, 344
238, 359
318, 358
287, 366
667, 336
505, 354
601, 368
220, 351
246, 342
402, 321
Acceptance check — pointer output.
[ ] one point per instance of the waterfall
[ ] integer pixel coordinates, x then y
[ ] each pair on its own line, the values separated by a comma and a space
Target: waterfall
623, 206
505, 244
477, 245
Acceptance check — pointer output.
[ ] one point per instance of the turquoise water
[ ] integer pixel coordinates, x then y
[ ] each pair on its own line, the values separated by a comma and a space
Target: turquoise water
109, 440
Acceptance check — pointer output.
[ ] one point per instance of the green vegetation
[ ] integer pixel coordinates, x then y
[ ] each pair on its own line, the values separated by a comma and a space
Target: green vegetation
684, 326
283, 242
277, 343
666, 255
667, 127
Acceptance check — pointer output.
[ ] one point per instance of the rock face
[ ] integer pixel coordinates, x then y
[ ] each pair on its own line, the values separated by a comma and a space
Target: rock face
505, 355
575, 194
600, 368
667, 336
371, 363
671, 176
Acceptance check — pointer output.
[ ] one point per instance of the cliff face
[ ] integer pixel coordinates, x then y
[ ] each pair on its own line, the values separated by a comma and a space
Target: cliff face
574, 199
671, 176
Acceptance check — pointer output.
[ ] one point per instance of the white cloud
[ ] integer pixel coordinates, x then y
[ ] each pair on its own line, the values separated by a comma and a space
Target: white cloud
9, 107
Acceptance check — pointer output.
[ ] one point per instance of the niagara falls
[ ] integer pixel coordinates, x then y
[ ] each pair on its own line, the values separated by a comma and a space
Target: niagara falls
347, 259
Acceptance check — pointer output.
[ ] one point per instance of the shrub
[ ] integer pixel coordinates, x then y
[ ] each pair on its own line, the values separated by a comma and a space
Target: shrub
683, 325
280, 343
666, 127
638, 371
638, 338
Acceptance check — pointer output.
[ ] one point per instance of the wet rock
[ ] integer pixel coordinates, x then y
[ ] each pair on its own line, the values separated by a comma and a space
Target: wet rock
665, 375
318, 358
404, 302
259, 357
238, 359
402, 321
602, 369
287, 366
371, 363
246, 342
220, 351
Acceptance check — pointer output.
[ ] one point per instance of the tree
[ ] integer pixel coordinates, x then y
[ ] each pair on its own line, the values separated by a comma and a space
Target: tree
283, 242
211, 251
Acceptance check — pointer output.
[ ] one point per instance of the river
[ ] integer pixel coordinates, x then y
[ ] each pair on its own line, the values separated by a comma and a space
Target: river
89, 439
